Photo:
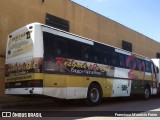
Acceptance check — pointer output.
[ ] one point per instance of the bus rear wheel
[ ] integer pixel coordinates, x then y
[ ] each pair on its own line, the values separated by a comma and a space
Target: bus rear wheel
94, 95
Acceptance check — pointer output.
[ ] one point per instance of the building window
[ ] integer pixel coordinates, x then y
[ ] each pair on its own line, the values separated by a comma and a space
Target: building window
57, 22
126, 45
158, 55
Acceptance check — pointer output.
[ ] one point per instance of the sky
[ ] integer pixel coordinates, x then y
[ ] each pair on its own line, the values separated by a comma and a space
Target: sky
142, 16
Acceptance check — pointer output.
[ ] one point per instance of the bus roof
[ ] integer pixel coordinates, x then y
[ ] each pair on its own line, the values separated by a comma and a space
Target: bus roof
84, 38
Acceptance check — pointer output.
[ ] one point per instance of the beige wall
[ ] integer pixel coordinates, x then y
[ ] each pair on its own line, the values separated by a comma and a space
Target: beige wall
15, 13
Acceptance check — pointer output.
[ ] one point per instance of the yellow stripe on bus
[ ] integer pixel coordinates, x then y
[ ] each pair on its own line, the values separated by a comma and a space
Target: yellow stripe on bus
19, 78
35, 76
57, 80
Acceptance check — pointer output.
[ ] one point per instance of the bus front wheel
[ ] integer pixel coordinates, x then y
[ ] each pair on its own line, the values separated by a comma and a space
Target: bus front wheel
94, 95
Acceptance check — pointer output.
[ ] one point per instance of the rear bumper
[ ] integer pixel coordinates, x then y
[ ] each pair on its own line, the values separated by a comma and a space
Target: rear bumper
57, 92
24, 91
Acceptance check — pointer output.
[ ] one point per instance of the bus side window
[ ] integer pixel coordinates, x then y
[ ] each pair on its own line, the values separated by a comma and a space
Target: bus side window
138, 61
106, 58
48, 45
147, 66
126, 57
101, 52
114, 59
97, 55
143, 65
61, 47
121, 60
131, 62
54, 46
75, 49
87, 53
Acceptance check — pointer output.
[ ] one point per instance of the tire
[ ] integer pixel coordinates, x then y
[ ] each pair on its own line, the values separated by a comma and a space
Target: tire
147, 93
94, 95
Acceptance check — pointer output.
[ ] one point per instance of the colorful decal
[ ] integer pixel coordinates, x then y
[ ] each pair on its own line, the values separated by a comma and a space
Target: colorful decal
80, 67
23, 69
131, 75
131, 59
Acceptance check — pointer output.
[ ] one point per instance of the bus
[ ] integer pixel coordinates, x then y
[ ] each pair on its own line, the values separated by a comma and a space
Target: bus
43, 60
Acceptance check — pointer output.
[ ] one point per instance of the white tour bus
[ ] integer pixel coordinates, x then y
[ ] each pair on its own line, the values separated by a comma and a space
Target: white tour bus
43, 60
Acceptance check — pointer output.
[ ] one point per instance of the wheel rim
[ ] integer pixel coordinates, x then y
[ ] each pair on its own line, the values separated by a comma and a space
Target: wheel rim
146, 93
94, 94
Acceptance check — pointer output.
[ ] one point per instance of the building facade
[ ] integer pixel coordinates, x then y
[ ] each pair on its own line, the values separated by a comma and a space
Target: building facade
71, 17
